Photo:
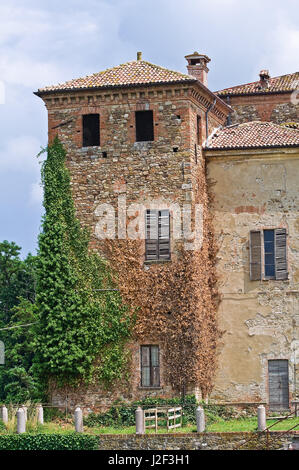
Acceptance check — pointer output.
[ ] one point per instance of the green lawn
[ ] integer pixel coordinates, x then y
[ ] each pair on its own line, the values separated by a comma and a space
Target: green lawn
221, 425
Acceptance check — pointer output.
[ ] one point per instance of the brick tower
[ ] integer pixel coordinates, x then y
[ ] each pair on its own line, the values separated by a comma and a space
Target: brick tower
134, 134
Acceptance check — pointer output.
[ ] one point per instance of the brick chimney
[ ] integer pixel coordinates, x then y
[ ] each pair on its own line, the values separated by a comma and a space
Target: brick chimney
197, 66
264, 75
264, 79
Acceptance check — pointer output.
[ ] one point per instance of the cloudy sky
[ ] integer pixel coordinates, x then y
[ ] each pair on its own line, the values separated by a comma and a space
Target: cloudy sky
43, 43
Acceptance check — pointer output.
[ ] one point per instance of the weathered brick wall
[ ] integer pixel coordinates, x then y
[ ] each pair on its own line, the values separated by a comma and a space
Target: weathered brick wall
278, 108
163, 170
196, 441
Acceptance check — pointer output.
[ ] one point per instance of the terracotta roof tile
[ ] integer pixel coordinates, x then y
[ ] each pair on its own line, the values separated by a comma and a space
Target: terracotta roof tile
255, 134
284, 83
137, 72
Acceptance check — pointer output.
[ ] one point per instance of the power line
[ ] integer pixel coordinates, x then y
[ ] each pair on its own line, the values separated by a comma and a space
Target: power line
17, 326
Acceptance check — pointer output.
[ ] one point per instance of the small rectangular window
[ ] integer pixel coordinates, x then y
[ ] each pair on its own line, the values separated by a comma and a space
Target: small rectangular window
157, 243
150, 366
91, 130
271, 262
144, 126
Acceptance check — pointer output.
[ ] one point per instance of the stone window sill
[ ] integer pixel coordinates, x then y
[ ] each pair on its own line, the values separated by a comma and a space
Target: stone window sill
159, 261
150, 388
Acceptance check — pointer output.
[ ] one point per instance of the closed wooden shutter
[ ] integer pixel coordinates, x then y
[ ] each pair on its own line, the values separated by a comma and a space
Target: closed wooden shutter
278, 371
151, 242
157, 243
164, 235
281, 268
145, 366
150, 366
255, 255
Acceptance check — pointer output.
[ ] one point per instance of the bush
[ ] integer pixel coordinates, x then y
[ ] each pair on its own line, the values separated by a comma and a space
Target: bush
48, 442
124, 415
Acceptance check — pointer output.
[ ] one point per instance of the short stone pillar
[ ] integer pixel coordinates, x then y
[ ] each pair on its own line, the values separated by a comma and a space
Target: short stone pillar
139, 418
78, 419
40, 414
4, 414
200, 419
261, 418
21, 422
25, 411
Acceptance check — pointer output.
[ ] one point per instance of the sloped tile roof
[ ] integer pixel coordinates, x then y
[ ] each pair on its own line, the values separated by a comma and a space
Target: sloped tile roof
284, 83
255, 134
137, 72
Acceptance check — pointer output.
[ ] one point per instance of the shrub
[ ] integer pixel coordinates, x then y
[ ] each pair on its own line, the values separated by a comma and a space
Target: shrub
48, 442
124, 415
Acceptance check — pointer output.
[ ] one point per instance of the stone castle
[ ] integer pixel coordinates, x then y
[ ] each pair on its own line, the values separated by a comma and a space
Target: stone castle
143, 134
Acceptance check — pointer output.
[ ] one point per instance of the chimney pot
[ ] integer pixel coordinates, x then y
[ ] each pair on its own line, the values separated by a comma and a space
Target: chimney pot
197, 66
139, 55
264, 75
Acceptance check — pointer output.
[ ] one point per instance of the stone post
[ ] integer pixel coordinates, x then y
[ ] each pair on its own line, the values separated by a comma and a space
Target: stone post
200, 419
21, 422
4, 414
40, 414
139, 418
261, 418
78, 419
25, 412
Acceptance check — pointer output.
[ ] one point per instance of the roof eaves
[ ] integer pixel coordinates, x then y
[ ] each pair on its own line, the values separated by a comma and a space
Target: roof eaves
248, 147
42, 92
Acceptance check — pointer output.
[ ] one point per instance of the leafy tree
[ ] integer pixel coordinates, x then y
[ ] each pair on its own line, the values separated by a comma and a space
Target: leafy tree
17, 293
81, 329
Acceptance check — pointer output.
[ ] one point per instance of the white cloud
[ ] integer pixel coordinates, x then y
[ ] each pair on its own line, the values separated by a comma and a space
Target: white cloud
19, 155
36, 194
284, 50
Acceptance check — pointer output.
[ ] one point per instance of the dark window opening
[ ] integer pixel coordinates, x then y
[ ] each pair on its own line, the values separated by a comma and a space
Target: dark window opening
150, 366
91, 130
104, 154
157, 243
144, 126
175, 149
269, 252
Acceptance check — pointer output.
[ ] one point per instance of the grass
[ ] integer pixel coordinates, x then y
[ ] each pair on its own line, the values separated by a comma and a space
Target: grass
221, 425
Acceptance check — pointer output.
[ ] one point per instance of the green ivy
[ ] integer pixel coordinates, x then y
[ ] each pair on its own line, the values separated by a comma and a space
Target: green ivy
48, 442
81, 330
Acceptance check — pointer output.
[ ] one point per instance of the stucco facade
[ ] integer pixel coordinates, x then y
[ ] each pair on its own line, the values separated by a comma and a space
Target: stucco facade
254, 189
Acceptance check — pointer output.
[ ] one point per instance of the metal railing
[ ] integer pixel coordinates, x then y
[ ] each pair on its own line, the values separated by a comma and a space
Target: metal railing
267, 430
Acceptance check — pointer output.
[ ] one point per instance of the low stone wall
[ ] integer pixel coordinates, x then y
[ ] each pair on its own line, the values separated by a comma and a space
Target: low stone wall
196, 441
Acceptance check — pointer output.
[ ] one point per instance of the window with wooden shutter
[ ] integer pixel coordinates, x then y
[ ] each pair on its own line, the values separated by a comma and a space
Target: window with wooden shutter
273, 264
150, 366
255, 256
281, 268
157, 243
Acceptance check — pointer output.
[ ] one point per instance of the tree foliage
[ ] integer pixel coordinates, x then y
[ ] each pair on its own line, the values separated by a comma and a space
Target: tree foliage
17, 293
